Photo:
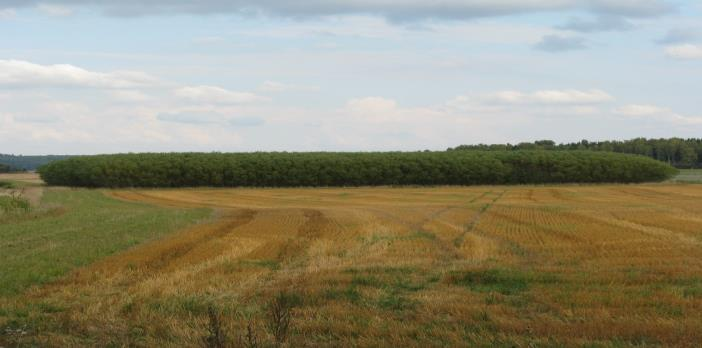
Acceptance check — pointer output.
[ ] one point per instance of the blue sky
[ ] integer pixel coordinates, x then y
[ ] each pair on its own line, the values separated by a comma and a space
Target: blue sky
92, 76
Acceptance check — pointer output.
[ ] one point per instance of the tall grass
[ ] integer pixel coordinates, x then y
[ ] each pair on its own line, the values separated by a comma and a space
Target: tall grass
14, 204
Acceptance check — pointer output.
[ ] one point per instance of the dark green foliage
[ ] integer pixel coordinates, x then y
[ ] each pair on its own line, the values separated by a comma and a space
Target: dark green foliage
352, 169
491, 280
5, 168
681, 153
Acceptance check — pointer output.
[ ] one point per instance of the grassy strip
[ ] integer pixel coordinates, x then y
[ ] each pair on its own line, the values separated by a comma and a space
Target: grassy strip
73, 228
688, 176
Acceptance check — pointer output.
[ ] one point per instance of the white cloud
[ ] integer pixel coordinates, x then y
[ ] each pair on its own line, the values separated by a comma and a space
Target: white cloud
217, 95
55, 10
375, 110
686, 51
371, 105
640, 110
7, 13
200, 117
129, 95
17, 73
645, 111
548, 97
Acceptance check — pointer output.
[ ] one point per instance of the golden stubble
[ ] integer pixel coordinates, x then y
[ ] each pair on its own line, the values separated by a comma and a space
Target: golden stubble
625, 259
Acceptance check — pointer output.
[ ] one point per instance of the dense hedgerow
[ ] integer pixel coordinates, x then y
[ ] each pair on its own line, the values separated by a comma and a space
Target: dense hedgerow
352, 169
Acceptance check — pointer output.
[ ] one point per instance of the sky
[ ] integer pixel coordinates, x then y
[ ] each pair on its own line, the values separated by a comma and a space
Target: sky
102, 76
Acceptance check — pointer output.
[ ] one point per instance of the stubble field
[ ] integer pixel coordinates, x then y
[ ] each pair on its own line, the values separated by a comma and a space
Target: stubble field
602, 265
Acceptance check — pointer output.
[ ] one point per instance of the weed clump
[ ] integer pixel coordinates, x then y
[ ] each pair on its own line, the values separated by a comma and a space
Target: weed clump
278, 321
216, 336
279, 315
15, 204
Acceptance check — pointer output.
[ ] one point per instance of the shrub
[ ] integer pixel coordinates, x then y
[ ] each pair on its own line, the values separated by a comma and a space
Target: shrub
279, 315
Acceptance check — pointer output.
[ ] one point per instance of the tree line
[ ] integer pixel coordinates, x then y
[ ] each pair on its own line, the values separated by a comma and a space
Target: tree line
4, 168
283, 169
681, 153
23, 163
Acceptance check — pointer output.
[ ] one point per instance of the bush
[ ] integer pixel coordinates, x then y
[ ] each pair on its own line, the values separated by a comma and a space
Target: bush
352, 169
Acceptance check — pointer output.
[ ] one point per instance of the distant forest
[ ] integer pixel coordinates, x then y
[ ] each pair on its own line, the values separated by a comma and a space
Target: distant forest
12, 163
680, 153
4, 168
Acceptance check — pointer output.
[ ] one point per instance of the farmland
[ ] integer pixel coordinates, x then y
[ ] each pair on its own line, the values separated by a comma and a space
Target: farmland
596, 265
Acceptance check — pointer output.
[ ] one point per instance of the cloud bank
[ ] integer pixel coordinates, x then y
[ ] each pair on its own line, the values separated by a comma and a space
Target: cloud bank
399, 10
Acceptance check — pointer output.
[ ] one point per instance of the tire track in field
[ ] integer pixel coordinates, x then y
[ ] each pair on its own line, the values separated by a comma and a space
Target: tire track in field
419, 225
448, 249
475, 220
184, 248
315, 227
479, 197
650, 230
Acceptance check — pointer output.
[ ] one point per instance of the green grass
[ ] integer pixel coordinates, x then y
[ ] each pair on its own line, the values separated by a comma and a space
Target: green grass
689, 175
13, 205
76, 228
503, 281
6, 184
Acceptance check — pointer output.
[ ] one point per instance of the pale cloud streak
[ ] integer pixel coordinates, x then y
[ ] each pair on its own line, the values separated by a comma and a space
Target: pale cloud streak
685, 51
277, 87
542, 97
646, 111
18, 73
217, 95
601, 23
55, 10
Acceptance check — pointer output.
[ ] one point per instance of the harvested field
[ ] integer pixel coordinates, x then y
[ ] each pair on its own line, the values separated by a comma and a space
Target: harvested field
29, 178
609, 265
